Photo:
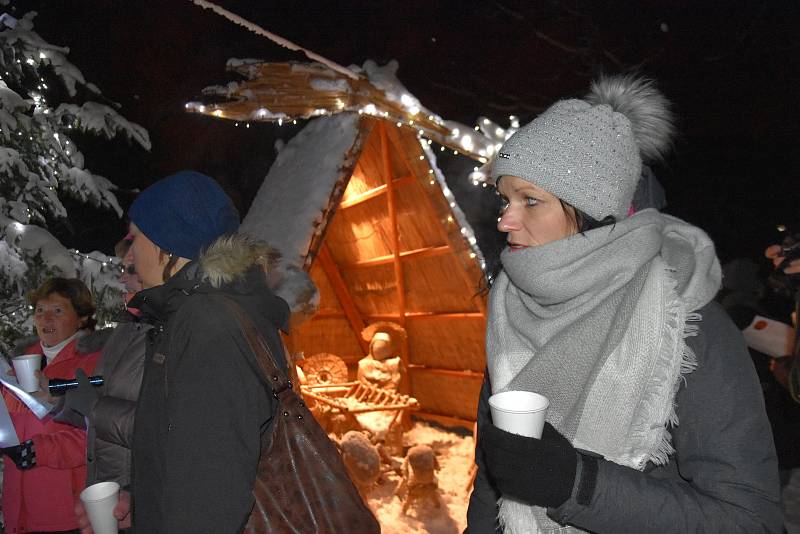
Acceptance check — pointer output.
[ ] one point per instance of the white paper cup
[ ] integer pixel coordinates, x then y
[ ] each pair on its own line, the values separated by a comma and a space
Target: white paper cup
25, 367
99, 500
519, 412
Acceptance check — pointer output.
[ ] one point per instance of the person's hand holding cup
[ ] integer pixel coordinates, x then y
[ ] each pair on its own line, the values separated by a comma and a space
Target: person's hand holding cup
103, 508
25, 367
519, 412
43, 393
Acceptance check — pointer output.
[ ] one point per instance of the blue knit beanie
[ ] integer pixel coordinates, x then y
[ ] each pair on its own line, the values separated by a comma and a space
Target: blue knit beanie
184, 213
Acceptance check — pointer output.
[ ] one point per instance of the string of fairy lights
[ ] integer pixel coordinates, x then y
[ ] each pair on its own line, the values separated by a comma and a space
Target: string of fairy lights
104, 262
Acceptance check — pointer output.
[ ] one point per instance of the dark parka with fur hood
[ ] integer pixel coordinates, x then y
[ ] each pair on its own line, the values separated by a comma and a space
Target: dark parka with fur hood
202, 407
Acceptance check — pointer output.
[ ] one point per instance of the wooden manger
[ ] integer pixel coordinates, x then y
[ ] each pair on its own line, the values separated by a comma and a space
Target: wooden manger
356, 397
337, 403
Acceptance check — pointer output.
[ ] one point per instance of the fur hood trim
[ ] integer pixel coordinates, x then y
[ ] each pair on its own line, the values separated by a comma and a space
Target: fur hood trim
231, 256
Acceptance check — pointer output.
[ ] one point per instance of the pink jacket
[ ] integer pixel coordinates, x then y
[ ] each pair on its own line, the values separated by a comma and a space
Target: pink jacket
42, 499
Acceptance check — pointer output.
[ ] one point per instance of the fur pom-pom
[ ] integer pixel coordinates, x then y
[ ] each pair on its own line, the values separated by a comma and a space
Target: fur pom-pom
645, 107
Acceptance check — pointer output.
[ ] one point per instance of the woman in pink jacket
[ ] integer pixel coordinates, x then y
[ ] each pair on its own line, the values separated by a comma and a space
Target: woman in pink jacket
43, 475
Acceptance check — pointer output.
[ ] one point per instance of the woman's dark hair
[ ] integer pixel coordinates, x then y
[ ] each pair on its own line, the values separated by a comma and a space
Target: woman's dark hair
581, 221
72, 289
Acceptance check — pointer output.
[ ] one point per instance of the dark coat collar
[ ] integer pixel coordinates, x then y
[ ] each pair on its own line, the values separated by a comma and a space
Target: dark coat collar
158, 303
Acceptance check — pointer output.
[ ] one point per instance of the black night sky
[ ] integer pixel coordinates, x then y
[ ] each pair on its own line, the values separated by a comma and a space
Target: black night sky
732, 69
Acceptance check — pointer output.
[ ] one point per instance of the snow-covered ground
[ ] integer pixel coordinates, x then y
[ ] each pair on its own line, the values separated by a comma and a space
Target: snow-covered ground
455, 455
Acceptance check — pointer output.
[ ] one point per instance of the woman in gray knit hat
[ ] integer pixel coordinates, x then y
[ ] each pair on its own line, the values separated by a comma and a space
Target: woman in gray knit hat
656, 420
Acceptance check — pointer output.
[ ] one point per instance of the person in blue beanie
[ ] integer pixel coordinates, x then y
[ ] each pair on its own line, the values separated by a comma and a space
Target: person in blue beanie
202, 409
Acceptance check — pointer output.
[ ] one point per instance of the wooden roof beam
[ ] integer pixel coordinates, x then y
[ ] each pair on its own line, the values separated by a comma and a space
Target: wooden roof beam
423, 315
343, 294
333, 314
445, 372
425, 252
372, 193
443, 315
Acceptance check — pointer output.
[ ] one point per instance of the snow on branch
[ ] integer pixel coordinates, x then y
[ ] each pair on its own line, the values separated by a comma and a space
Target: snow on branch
101, 119
39, 162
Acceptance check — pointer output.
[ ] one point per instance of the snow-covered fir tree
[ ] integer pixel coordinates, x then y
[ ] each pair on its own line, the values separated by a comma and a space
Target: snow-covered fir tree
43, 100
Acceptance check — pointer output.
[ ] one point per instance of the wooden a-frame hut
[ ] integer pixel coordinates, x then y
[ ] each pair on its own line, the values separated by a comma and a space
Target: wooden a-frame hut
356, 199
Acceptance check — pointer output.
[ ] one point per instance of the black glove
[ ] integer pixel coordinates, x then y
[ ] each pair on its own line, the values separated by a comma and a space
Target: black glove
539, 472
82, 398
23, 454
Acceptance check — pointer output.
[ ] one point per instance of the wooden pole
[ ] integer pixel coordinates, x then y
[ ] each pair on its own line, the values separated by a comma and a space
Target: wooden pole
391, 199
343, 294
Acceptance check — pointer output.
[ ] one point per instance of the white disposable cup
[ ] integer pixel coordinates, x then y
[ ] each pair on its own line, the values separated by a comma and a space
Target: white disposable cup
519, 412
25, 367
99, 501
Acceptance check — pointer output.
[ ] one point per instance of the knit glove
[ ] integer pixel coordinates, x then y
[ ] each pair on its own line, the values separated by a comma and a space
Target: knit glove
82, 398
23, 455
539, 472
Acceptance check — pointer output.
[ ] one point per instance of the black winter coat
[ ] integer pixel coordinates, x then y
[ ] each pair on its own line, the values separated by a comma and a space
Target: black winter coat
202, 408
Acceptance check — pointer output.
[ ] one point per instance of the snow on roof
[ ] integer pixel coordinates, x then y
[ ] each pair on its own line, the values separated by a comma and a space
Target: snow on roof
289, 204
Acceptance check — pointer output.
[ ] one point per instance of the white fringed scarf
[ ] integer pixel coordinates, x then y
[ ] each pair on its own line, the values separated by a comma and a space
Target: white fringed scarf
596, 322
51, 352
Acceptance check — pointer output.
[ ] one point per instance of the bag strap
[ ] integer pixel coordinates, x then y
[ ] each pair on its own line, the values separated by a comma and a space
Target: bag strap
278, 382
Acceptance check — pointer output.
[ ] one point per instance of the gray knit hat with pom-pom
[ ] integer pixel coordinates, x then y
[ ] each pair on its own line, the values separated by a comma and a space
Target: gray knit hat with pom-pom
589, 152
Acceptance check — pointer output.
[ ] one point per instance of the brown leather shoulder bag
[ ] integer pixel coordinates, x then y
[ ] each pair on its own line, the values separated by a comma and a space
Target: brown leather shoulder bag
302, 484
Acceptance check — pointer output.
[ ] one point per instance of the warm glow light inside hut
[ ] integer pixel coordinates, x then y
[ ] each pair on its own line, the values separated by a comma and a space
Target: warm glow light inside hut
356, 186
